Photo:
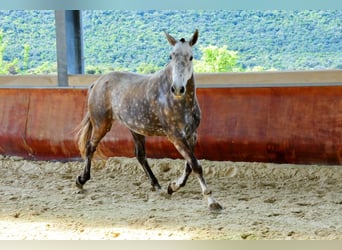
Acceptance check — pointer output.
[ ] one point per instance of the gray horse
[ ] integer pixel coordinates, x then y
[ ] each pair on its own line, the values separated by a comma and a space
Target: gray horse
161, 104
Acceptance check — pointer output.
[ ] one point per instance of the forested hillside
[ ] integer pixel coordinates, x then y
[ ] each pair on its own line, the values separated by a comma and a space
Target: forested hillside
134, 40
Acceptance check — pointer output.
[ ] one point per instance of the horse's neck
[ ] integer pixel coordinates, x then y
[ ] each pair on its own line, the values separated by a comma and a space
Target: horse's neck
167, 73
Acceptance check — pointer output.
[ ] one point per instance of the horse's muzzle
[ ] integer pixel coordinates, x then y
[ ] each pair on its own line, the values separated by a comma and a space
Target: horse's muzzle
177, 91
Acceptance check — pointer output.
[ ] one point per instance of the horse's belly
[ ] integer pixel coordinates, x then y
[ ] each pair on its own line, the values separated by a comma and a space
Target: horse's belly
143, 125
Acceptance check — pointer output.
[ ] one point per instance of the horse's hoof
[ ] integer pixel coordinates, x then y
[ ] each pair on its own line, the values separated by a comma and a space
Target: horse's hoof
169, 189
215, 206
78, 182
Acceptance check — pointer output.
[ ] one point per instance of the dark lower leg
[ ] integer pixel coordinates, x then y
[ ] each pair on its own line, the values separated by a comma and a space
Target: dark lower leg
82, 179
149, 173
139, 143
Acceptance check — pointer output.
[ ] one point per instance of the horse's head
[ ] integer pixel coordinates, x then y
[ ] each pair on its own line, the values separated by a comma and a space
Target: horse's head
181, 62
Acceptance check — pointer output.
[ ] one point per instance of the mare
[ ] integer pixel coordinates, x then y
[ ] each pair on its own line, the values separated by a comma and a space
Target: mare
160, 104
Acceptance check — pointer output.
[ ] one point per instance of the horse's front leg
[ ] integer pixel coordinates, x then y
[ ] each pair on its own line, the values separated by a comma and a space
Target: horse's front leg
175, 185
193, 164
181, 181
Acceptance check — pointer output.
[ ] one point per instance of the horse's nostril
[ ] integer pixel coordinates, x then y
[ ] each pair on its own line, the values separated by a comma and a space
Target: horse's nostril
177, 92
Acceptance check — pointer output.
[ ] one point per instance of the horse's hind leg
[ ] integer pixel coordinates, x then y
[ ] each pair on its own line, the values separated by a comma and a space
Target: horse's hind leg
85, 176
98, 131
139, 143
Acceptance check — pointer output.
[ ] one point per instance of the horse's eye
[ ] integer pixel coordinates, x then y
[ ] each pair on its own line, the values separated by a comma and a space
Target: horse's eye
191, 58
170, 57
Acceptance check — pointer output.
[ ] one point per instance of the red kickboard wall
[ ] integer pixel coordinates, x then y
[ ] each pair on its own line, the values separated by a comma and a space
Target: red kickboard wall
264, 124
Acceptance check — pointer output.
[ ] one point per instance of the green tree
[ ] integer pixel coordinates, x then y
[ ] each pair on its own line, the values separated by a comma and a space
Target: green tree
44, 68
217, 59
6, 67
2, 50
26, 57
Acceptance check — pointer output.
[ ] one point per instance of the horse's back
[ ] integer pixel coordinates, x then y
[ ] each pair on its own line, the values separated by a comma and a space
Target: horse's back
117, 78
115, 83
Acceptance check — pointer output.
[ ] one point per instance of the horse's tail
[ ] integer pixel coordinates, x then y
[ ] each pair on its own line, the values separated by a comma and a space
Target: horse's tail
83, 134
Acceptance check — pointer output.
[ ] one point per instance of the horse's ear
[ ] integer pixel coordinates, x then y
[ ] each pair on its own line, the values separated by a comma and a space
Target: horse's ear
194, 38
171, 40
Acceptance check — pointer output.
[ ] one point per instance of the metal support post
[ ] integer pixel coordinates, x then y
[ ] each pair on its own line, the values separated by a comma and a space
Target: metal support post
69, 41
